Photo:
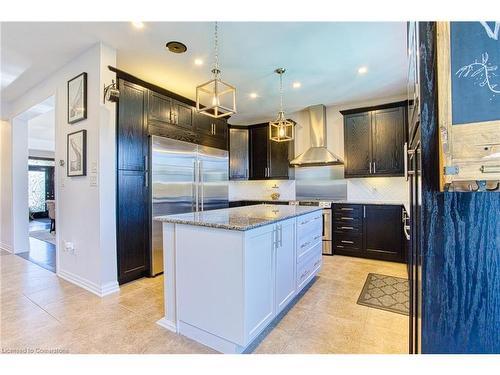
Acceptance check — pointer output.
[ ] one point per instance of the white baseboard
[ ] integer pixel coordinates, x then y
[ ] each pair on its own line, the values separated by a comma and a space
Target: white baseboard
99, 290
165, 323
6, 247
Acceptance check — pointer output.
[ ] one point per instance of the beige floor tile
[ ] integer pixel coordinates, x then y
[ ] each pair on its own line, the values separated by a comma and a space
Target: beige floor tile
39, 310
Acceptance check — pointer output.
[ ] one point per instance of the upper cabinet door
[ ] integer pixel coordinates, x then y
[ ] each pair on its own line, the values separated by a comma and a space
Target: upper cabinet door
357, 144
238, 154
220, 128
159, 108
388, 141
279, 159
132, 128
258, 153
203, 123
182, 115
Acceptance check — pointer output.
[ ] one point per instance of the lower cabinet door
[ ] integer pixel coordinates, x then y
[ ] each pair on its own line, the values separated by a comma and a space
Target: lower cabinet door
132, 226
383, 232
285, 264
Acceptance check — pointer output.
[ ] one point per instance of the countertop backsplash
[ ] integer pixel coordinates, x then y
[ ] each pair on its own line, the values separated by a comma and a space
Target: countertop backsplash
261, 190
378, 189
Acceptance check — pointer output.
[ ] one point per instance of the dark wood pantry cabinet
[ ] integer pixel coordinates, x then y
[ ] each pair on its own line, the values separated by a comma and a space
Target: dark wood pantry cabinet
374, 140
132, 209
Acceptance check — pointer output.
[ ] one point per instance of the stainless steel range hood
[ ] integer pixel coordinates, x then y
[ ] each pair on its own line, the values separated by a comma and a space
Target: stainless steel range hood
317, 154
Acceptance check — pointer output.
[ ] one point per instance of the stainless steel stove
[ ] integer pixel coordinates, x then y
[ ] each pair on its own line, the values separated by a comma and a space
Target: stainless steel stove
327, 221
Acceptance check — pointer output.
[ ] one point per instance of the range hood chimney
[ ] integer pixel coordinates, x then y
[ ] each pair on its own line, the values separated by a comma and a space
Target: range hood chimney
317, 154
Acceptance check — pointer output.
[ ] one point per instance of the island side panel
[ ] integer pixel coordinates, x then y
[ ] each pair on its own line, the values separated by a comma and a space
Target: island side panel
209, 273
169, 321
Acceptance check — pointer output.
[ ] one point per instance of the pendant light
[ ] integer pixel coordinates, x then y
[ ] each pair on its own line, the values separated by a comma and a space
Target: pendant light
281, 129
220, 95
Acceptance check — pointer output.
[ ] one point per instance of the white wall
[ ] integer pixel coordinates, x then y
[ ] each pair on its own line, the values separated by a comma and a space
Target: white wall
41, 132
85, 205
5, 187
41, 154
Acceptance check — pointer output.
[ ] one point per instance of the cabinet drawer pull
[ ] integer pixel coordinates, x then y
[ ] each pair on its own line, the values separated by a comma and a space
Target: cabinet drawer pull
346, 209
345, 241
304, 274
350, 228
306, 244
346, 218
340, 246
305, 222
317, 262
317, 237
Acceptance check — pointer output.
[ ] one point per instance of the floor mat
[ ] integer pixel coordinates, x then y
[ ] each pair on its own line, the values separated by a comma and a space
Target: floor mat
386, 293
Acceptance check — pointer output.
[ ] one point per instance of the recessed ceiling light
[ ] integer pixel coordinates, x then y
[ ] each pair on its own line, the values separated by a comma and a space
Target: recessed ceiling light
198, 62
176, 47
362, 70
138, 24
253, 95
296, 85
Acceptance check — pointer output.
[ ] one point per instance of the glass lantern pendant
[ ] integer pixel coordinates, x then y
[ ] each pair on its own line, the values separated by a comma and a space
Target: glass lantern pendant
281, 129
220, 96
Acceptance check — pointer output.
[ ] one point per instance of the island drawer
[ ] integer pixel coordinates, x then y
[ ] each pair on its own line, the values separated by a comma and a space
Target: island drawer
307, 267
309, 247
308, 224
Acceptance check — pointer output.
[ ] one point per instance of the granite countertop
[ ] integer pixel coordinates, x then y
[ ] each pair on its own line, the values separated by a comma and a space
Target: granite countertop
239, 218
360, 201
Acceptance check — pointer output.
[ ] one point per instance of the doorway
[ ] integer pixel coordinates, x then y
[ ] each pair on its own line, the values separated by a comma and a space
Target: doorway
34, 150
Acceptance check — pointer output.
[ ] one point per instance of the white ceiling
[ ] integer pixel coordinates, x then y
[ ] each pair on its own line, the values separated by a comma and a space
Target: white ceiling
324, 57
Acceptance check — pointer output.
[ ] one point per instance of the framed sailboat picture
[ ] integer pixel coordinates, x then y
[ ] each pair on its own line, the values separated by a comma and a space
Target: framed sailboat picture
77, 98
77, 153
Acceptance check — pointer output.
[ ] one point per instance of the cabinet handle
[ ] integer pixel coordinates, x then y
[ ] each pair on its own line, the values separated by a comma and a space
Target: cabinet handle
306, 244
350, 228
364, 211
146, 166
370, 167
345, 241
305, 222
346, 218
346, 209
317, 262
340, 246
405, 160
146, 179
374, 167
317, 237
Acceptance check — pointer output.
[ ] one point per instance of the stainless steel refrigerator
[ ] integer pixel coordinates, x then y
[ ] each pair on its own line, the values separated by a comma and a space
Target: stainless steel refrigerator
185, 177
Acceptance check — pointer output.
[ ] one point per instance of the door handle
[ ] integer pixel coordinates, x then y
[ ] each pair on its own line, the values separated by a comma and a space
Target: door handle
200, 174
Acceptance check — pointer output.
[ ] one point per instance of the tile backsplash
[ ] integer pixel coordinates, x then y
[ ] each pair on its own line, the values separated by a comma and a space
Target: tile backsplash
386, 189
261, 190
373, 189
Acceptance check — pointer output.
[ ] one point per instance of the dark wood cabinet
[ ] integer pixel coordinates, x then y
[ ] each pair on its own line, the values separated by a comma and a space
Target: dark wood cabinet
159, 108
388, 141
268, 159
132, 217
182, 115
132, 225
259, 153
357, 144
368, 231
383, 232
238, 154
132, 127
374, 140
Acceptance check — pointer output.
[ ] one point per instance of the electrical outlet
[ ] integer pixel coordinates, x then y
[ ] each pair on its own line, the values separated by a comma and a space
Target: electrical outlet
69, 247
93, 181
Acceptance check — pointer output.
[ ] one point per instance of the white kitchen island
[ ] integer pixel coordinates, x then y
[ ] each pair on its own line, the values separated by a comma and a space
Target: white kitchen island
230, 272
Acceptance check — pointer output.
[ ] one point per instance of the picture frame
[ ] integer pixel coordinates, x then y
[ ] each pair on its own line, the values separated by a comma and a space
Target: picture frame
77, 154
77, 98
469, 120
